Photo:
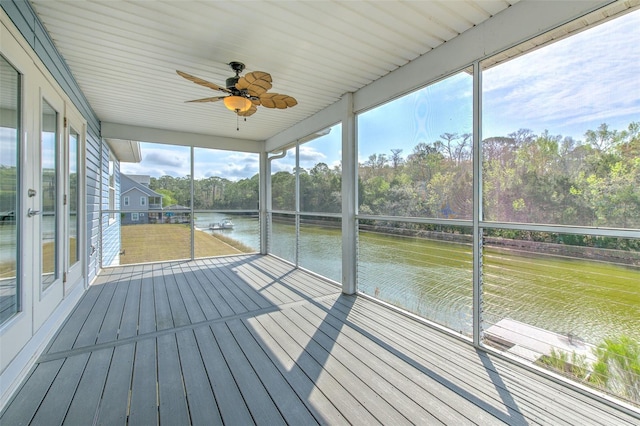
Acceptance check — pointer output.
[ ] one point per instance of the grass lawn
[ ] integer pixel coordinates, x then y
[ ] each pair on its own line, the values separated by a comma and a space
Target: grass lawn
158, 242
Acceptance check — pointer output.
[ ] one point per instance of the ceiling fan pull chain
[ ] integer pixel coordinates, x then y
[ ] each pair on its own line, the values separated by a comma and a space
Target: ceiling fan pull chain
237, 122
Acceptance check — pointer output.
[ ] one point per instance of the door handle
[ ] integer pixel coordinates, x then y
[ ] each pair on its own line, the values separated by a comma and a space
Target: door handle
31, 212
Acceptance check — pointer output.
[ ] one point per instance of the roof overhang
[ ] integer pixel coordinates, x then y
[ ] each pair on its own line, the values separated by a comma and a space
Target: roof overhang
126, 151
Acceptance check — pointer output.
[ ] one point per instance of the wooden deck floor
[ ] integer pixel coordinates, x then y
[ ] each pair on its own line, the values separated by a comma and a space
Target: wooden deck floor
249, 340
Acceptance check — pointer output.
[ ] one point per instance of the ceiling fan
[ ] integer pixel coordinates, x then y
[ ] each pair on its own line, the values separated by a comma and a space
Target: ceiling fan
244, 94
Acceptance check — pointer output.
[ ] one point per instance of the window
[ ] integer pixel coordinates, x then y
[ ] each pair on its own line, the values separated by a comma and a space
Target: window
415, 160
560, 140
125, 200
134, 217
320, 172
283, 182
561, 147
414, 153
143, 201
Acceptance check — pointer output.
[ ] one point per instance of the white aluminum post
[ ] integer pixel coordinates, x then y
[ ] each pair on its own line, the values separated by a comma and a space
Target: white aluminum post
349, 197
193, 223
264, 200
477, 206
296, 254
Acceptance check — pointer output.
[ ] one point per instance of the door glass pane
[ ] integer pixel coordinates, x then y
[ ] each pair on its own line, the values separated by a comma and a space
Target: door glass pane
9, 175
73, 201
49, 195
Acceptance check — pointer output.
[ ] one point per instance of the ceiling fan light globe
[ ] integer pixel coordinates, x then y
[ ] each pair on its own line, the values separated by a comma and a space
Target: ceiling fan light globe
237, 103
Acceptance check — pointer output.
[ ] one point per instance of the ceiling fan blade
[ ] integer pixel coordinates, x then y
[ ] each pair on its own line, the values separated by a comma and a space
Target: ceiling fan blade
202, 82
276, 100
214, 99
255, 83
248, 112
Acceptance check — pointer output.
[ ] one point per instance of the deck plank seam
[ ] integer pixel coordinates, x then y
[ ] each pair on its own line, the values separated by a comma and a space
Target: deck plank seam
115, 343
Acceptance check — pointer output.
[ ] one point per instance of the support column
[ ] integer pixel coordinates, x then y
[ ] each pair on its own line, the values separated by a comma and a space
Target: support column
477, 205
193, 215
264, 200
349, 197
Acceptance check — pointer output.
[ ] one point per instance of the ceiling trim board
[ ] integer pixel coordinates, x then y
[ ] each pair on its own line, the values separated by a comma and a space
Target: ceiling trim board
148, 134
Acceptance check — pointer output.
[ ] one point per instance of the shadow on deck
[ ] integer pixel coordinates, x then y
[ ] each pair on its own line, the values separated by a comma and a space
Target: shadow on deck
251, 340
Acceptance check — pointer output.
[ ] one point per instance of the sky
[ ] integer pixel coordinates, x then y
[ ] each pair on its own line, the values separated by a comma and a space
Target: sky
568, 87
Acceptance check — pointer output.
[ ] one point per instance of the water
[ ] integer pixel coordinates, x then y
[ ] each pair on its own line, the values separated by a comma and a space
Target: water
246, 229
592, 300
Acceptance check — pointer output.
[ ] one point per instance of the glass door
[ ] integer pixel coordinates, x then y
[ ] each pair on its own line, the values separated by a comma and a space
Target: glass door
49, 194
73, 201
10, 218
48, 212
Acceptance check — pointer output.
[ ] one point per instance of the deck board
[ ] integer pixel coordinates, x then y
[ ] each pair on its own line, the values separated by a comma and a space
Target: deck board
323, 409
173, 404
131, 309
249, 339
178, 306
147, 316
291, 407
205, 304
85, 403
185, 285
258, 400
431, 409
144, 403
29, 397
232, 408
55, 405
466, 370
110, 326
369, 388
68, 334
164, 318
463, 374
114, 402
202, 403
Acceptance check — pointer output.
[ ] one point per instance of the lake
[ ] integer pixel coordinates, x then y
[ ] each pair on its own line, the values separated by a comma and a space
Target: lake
589, 299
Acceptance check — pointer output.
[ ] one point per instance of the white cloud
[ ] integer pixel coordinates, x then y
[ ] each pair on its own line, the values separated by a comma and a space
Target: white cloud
571, 85
310, 156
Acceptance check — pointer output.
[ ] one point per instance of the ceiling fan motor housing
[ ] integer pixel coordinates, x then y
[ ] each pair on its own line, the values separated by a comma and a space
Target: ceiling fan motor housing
238, 67
231, 83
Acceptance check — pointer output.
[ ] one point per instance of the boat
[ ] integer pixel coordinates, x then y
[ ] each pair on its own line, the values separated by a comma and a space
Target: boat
224, 224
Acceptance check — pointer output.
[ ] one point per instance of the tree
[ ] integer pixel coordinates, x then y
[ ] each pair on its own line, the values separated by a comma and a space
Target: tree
167, 197
602, 138
396, 158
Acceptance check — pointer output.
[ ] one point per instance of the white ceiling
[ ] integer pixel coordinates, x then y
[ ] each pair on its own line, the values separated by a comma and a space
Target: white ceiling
124, 54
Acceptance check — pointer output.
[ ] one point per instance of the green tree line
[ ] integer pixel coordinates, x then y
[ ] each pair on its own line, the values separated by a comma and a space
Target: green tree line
529, 178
